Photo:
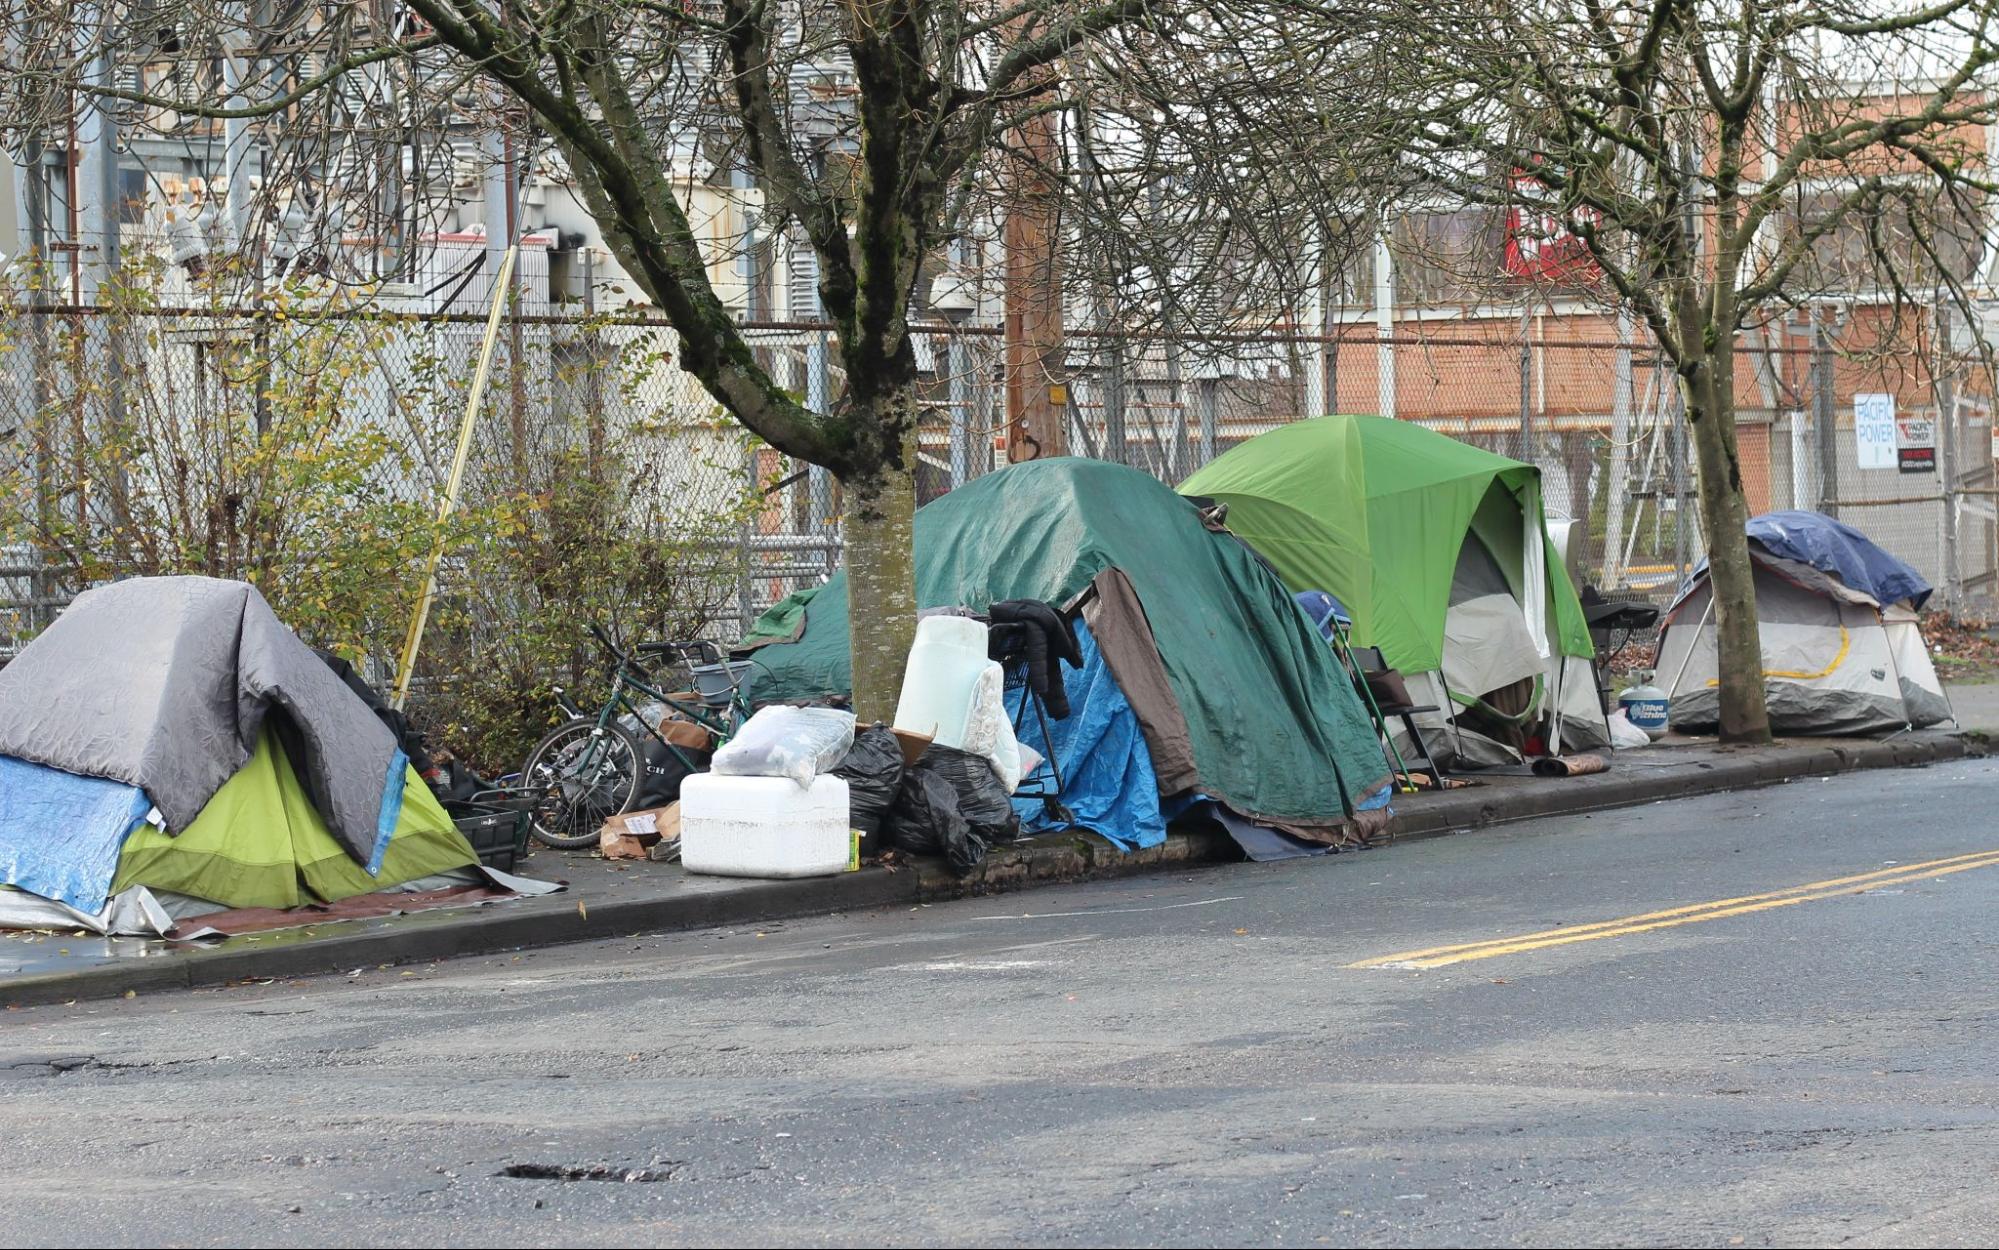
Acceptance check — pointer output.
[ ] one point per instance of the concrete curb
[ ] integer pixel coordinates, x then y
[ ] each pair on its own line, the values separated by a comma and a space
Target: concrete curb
1046, 860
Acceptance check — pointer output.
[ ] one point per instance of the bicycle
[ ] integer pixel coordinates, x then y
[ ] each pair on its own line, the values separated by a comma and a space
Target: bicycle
590, 767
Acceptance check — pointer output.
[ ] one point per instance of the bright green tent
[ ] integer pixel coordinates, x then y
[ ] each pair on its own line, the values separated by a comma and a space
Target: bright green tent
1375, 512
1248, 695
260, 843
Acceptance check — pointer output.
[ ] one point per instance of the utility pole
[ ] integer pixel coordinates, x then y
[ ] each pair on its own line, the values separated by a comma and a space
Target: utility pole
1037, 398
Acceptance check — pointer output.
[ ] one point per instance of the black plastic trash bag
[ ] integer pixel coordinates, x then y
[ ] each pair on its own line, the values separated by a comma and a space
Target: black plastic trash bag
926, 821
952, 804
873, 773
982, 798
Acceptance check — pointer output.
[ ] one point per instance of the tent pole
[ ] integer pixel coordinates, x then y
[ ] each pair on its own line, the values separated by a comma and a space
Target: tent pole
1555, 717
1702, 624
407, 665
1882, 621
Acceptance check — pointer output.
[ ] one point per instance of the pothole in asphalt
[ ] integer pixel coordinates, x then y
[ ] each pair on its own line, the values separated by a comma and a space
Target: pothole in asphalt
660, 1171
53, 1066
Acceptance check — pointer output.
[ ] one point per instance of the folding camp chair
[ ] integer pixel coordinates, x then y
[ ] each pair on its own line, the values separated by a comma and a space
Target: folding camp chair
1006, 644
1335, 627
1368, 663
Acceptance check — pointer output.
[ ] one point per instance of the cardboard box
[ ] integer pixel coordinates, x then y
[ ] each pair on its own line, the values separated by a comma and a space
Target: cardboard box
687, 735
627, 835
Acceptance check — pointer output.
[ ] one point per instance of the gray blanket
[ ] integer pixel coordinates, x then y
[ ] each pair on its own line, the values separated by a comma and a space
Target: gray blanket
168, 682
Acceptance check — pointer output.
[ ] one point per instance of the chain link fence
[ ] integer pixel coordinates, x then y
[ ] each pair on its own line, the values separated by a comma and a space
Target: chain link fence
309, 450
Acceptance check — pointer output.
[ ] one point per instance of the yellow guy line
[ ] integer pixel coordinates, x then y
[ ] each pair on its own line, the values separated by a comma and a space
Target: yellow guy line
1440, 956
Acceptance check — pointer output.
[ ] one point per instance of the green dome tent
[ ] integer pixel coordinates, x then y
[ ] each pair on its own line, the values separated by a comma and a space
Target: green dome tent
1238, 698
1438, 549
261, 843
258, 843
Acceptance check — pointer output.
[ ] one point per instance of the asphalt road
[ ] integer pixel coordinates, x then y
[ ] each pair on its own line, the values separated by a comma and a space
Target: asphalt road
1192, 1060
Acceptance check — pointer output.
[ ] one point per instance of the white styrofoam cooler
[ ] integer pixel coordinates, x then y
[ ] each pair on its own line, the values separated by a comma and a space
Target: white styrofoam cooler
764, 826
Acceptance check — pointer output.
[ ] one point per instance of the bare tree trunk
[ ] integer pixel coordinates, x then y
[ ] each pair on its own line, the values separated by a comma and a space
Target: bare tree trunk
881, 566
1709, 386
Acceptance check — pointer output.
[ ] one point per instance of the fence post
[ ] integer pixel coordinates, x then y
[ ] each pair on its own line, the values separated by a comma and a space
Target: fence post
1117, 447
1620, 455
1824, 413
745, 533
819, 397
1524, 445
1947, 455
1209, 388
1676, 462
957, 360
1384, 322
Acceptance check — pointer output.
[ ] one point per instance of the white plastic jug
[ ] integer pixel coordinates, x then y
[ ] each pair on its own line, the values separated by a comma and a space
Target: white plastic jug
944, 668
764, 826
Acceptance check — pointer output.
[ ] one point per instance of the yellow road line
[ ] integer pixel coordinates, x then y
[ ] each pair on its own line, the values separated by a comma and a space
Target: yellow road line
1682, 911
1441, 956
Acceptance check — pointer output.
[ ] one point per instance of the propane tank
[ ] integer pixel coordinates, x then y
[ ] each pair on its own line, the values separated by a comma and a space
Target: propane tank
1646, 706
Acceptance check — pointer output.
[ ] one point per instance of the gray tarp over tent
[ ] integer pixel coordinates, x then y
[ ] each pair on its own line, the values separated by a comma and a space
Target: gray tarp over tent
167, 683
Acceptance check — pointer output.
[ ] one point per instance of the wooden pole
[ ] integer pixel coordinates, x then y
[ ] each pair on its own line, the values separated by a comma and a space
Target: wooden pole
1037, 410
414, 639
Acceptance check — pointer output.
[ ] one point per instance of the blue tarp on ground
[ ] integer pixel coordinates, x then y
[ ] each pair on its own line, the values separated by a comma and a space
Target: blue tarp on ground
1107, 778
1832, 547
60, 834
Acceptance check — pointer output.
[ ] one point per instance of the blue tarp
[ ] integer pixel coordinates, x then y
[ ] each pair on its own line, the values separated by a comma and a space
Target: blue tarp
60, 834
1108, 782
1831, 547
1324, 611
1107, 778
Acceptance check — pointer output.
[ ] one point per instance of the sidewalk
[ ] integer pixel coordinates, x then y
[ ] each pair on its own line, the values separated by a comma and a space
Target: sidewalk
1976, 705
617, 898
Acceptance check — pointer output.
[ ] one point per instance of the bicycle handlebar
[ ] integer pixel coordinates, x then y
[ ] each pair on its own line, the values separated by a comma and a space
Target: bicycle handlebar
701, 650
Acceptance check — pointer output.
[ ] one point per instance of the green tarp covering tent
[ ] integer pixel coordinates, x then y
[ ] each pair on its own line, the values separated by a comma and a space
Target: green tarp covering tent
1425, 540
1237, 696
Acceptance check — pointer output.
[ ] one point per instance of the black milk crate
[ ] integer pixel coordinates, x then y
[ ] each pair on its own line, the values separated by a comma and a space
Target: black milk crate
499, 835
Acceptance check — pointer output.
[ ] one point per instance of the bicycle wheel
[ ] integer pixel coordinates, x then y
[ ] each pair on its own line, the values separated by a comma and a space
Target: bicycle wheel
586, 775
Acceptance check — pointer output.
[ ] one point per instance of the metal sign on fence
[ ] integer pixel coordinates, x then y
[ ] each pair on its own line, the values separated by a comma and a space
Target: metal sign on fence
1874, 430
1916, 444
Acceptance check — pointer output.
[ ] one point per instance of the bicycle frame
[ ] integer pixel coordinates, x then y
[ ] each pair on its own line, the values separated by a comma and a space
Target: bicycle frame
624, 680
